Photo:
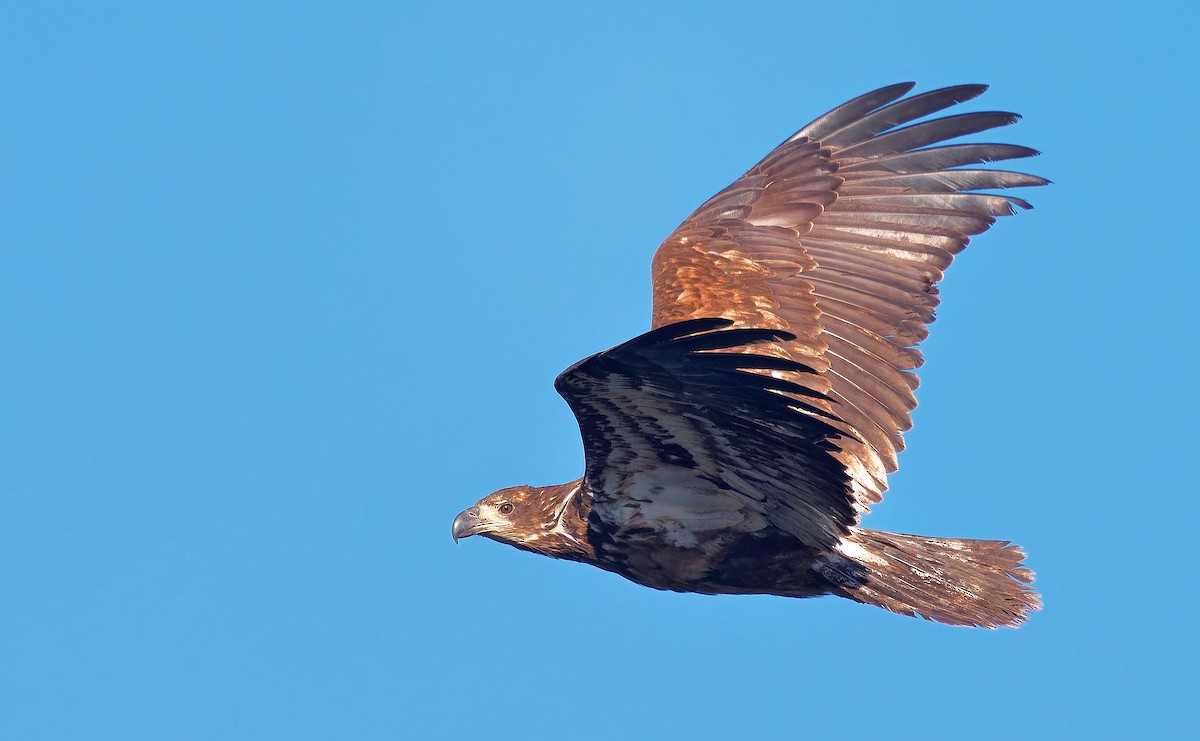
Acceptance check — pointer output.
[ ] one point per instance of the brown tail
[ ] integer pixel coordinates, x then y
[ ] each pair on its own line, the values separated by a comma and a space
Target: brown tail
952, 581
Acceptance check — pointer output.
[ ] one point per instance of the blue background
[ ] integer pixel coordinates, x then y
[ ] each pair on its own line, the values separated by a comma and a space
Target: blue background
284, 287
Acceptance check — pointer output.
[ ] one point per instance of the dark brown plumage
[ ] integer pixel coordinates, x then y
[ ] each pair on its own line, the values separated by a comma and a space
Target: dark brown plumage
733, 449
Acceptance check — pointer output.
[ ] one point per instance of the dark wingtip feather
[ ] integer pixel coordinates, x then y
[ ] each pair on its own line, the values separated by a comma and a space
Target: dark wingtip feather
909, 138
969, 90
852, 109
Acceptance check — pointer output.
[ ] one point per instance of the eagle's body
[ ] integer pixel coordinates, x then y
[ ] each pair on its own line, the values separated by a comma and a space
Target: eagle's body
682, 554
733, 449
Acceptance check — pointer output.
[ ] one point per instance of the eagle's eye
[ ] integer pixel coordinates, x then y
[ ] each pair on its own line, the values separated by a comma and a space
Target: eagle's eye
506, 508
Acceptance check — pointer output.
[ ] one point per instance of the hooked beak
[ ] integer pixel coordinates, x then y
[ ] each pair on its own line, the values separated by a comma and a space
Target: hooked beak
466, 524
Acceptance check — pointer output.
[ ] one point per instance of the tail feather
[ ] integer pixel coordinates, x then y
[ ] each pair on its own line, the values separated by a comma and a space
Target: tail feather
948, 580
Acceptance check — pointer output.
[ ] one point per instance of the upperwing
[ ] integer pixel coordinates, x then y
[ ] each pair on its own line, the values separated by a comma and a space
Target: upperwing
839, 237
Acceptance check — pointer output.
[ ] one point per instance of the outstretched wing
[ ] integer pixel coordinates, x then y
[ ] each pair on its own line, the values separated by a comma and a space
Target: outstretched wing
679, 433
839, 236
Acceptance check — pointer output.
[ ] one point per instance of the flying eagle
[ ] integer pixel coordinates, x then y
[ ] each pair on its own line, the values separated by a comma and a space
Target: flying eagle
733, 448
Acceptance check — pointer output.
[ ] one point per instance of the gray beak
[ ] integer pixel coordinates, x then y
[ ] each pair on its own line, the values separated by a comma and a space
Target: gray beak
466, 524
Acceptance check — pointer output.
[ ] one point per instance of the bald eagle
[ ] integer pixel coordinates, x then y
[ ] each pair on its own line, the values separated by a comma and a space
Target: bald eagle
734, 447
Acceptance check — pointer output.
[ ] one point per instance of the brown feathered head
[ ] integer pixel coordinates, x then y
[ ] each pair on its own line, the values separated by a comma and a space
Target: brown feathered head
540, 519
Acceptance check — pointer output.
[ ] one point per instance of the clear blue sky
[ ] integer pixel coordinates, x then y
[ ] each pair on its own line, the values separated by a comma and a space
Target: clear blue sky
285, 287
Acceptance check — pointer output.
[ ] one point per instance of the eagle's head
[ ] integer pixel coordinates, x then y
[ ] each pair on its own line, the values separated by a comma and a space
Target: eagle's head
541, 519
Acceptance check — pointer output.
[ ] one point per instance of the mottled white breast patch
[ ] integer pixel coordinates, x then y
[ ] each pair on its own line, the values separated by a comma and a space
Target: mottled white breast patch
676, 503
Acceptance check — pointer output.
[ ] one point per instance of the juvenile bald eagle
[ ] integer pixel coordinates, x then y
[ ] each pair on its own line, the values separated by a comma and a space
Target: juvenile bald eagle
733, 449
